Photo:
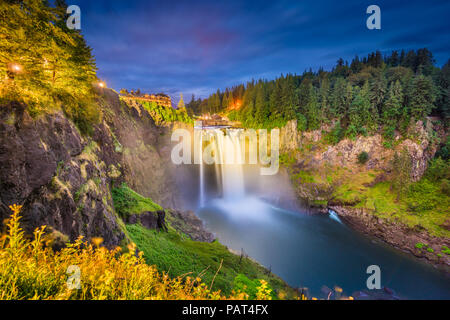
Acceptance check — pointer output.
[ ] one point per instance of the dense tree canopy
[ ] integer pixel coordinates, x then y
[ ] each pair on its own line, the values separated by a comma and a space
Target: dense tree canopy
43, 63
370, 94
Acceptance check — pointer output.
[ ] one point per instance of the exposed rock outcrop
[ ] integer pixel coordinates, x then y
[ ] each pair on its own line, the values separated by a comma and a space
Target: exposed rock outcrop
185, 222
63, 179
289, 136
60, 178
188, 223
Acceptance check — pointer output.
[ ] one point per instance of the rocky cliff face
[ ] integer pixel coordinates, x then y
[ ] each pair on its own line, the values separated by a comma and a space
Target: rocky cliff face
330, 177
63, 179
345, 154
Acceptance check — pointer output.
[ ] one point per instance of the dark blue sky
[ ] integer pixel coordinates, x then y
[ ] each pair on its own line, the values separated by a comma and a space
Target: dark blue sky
198, 46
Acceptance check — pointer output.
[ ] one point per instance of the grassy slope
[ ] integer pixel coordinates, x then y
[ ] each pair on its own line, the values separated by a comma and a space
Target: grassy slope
424, 205
128, 202
178, 255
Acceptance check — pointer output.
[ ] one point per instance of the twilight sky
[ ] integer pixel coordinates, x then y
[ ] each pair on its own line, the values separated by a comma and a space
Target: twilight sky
198, 46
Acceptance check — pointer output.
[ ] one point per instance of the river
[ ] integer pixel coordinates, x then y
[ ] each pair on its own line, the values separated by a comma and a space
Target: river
305, 250
317, 250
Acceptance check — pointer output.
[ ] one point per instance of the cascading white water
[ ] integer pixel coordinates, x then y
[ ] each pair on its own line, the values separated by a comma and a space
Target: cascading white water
227, 154
232, 173
202, 182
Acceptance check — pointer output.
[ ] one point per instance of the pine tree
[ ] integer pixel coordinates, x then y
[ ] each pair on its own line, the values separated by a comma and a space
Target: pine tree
401, 171
392, 108
312, 111
421, 97
261, 106
360, 116
181, 102
324, 97
378, 92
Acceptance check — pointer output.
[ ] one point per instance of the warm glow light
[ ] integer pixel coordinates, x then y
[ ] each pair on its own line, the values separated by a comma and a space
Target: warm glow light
236, 105
102, 84
15, 67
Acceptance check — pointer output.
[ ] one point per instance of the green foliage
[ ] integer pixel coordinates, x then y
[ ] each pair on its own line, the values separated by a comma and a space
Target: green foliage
57, 69
420, 245
363, 157
444, 151
422, 196
392, 108
32, 270
401, 170
164, 114
336, 134
421, 97
445, 250
387, 144
242, 283
251, 287
422, 203
287, 159
445, 187
302, 122
360, 113
127, 202
438, 169
178, 256
373, 92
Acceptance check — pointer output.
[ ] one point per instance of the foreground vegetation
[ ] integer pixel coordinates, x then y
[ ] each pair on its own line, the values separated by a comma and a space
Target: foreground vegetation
30, 269
178, 255
212, 262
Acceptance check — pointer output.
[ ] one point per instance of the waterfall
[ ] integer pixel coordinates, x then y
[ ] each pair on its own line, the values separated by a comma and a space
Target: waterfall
202, 182
228, 160
333, 215
232, 173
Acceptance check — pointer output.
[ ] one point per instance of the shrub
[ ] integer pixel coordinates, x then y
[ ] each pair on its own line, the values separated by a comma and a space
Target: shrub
30, 270
336, 134
420, 245
387, 144
444, 151
445, 187
302, 122
438, 169
363, 157
445, 250
127, 201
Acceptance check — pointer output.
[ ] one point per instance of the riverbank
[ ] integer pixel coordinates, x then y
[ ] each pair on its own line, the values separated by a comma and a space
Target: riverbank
404, 203
413, 240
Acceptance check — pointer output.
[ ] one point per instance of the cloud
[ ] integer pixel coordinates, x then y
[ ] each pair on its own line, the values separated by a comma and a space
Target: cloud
197, 46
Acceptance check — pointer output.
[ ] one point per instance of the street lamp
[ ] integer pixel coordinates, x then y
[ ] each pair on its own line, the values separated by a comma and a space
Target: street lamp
13, 69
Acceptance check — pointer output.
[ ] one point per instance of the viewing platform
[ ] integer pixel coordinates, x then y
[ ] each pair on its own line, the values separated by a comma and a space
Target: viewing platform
217, 121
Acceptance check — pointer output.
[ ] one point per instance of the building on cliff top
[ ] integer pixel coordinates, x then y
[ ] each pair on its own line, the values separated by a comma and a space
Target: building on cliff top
160, 99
